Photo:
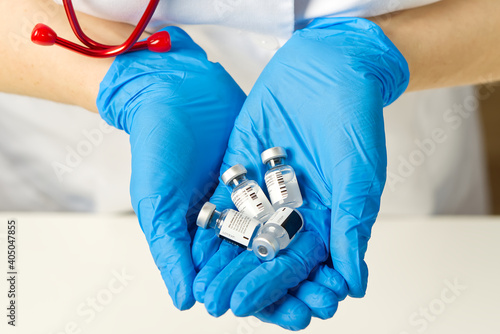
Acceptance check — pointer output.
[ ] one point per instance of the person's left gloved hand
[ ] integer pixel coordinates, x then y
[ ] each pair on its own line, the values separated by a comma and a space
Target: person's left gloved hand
321, 97
222, 268
179, 109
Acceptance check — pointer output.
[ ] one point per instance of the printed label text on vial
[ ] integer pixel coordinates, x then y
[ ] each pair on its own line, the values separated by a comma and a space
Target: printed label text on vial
276, 186
11, 272
248, 201
238, 228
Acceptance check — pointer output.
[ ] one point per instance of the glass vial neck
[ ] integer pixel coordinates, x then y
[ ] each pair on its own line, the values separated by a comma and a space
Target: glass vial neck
237, 181
214, 219
275, 162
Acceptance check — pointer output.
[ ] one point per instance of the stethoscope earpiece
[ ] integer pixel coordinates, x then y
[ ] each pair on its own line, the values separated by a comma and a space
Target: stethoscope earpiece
43, 35
159, 42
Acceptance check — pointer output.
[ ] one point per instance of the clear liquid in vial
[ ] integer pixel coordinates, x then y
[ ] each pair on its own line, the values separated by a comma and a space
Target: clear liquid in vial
283, 187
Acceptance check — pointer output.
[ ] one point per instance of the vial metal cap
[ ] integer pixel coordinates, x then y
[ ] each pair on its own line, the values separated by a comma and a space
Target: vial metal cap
265, 246
232, 173
206, 212
272, 153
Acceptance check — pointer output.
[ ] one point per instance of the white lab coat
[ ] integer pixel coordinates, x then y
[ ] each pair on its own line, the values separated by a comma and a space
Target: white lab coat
55, 157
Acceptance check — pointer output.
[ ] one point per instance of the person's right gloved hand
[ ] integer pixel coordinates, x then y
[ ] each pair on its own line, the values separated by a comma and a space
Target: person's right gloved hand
321, 97
179, 109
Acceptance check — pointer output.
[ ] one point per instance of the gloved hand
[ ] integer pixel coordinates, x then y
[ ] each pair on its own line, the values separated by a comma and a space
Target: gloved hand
321, 97
222, 271
179, 109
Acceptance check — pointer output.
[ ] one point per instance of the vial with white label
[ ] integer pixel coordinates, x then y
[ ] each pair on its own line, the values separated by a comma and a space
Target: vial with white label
229, 225
281, 180
247, 194
277, 233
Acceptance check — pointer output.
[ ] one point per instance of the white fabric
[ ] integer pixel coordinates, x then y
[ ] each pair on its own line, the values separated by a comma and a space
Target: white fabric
310, 9
275, 17
59, 157
261, 16
435, 154
34, 133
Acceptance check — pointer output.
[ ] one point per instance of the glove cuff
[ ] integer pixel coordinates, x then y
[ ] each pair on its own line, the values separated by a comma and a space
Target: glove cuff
134, 76
365, 40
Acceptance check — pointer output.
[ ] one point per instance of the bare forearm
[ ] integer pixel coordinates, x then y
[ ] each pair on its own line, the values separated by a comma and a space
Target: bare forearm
449, 43
51, 73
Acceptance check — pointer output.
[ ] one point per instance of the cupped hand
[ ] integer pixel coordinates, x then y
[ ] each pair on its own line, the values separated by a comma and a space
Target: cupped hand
321, 97
179, 109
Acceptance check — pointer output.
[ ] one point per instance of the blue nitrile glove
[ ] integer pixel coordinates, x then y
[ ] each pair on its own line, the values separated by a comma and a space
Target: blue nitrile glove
294, 310
179, 109
321, 97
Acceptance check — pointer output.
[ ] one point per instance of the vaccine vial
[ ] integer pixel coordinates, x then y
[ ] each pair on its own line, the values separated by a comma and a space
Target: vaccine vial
247, 195
229, 225
277, 233
281, 180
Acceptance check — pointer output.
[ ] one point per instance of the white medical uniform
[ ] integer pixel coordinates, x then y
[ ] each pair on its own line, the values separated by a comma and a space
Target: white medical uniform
53, 158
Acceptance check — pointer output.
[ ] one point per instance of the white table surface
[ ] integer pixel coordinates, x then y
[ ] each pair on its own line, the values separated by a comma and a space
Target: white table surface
65, 260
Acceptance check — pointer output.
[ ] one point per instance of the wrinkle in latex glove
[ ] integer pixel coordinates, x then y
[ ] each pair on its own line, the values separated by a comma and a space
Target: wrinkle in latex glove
179, 109
321, 97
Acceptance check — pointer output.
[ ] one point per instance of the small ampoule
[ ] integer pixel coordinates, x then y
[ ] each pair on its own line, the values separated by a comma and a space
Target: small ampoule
247, 194
229, 225
281, 180
277, 233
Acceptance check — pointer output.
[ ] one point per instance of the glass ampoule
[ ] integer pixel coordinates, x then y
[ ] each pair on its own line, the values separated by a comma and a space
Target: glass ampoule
281, 180
277, 233
230, 225
247, 195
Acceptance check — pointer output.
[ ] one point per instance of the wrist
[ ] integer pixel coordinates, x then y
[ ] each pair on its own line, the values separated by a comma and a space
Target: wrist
52, 73
106, 32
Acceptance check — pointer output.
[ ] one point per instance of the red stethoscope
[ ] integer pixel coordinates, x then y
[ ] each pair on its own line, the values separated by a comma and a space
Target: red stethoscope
158, 42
